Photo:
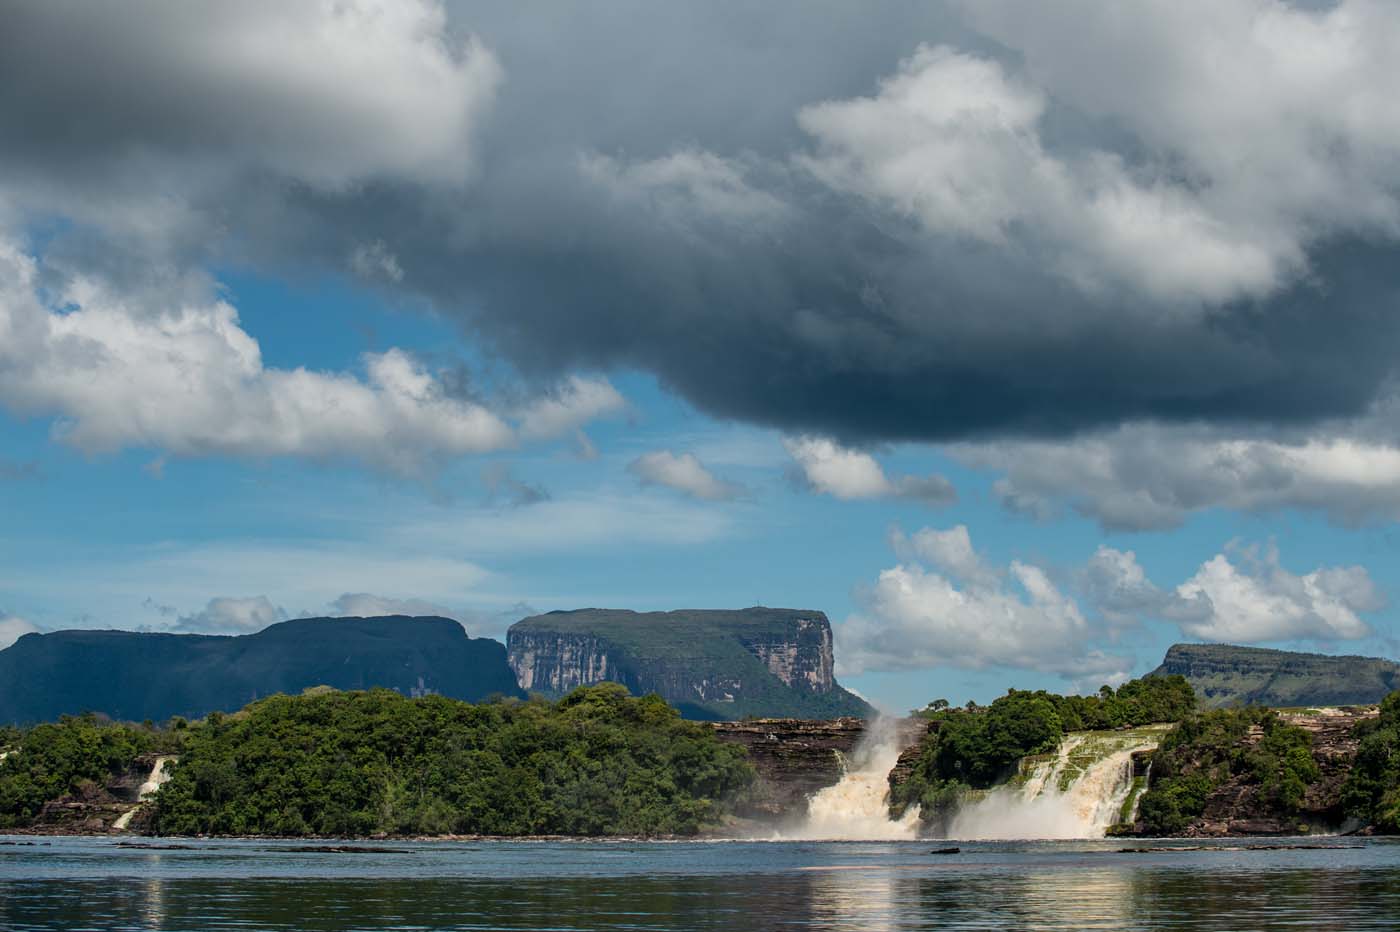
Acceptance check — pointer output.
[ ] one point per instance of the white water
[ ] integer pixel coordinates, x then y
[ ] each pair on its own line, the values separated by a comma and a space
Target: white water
158, 777
1058, 799
857, 808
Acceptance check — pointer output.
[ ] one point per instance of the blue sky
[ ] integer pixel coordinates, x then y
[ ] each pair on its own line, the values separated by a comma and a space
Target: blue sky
1018, 367
105, 540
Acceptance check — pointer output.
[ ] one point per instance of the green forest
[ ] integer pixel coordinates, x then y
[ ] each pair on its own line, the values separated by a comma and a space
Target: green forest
1372, 791
597, 762
977, 747
52, 760
1209, 749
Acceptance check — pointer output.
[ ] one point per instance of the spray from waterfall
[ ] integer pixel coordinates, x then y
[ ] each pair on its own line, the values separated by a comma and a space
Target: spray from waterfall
857, 807
1079, 792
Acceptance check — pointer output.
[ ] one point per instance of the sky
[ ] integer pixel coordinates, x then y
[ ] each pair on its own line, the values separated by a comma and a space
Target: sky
1024, 340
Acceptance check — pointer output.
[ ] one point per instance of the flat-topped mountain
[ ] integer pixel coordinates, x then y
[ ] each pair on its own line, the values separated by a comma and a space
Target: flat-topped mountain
134, 676
771, 662
1224, 675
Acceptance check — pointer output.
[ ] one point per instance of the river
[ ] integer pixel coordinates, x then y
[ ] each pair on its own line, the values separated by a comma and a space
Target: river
78, 884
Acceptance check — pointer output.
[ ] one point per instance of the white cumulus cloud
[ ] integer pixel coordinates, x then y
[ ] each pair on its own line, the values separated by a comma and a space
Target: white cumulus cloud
576, 402
188, 380
229, 615
831, 469
1255, 599
970, 615
683, 472
12, 628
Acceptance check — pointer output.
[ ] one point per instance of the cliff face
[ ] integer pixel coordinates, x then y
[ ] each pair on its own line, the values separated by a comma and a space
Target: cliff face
131, 676
1225, 675
795, 758
1237, 809
709, 664
1239, 805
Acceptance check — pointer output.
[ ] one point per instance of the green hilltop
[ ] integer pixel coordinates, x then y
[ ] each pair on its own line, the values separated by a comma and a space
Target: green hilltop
1226, 675
710, 664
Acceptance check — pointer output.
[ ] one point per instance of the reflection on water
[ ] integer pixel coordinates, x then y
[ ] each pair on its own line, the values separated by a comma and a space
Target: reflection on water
567, 887
863, 899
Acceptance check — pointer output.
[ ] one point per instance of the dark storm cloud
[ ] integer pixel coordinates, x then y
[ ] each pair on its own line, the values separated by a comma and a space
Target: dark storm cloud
664, 188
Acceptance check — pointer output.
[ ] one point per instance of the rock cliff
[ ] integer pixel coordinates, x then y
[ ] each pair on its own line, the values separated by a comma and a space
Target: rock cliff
1224, 675
709, 664
1240, 806
795, 758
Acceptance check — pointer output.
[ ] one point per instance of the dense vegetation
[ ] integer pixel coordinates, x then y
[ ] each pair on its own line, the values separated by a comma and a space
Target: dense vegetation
1225, 675
598, 762
977, 747
1372, 791
1208, 750
50, 761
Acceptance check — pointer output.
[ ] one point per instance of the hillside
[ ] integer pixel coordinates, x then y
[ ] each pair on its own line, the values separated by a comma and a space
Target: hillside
133, 676
768, 662
1224, 675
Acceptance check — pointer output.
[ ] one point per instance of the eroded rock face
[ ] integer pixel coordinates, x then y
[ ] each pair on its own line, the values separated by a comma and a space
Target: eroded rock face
801, 658
798, 757
709, 664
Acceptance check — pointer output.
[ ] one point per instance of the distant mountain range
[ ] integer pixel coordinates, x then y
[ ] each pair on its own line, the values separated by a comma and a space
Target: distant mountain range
1225, 675
709, 664
766, 662
755, 662
134, 676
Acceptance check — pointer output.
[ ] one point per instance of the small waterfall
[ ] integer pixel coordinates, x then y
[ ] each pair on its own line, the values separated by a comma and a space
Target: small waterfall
857, 808
157, 778
1078, 793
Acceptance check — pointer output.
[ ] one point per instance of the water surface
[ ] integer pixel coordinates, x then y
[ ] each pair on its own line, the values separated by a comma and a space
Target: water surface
93, 884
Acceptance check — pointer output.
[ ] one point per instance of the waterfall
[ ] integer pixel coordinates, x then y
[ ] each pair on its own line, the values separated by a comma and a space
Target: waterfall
1078, 792
857, 807
154, 781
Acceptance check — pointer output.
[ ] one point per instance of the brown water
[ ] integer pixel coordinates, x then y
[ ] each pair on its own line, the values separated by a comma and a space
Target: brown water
85, 884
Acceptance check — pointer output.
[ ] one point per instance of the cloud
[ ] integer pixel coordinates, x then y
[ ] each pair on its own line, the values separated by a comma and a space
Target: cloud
366, 604
684, 473
950, 551
1261, 601
329, 94
954, 142
1248, 599
1115, 584
944, 605
188, 380
476, 622
225, 615
830, 469
374, 260
1036, 223
12, 628
970, 616
502, 487
1144, 477
576, 402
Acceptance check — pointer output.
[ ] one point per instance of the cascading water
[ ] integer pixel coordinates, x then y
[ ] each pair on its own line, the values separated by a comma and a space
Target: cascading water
857, 808
1077, 793
154, 781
